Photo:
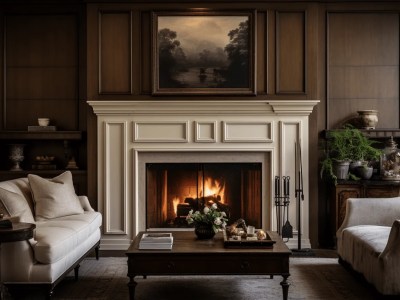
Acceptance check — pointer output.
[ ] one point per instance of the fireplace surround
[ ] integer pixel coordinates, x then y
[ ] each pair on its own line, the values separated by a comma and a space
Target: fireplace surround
132, 134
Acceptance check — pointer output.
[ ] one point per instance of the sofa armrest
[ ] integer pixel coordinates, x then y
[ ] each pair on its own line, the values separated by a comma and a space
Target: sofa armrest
392, 249
370, 211
85, 203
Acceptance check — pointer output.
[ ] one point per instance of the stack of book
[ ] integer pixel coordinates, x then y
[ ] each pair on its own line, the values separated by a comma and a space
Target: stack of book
156, 241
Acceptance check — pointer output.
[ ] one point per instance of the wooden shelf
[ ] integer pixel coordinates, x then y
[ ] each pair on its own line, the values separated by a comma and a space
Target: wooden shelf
41, 172
41, 135
383, 133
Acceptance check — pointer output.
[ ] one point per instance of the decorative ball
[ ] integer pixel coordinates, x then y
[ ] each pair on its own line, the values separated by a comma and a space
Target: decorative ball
261, 235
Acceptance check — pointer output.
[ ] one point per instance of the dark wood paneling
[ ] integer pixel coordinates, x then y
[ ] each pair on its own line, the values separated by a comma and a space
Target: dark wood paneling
363, 66
41, 70
115, 40
146, 53
290, 52
62, 113
261, 53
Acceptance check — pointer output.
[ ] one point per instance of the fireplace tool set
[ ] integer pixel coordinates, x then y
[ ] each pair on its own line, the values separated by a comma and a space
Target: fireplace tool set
282, 206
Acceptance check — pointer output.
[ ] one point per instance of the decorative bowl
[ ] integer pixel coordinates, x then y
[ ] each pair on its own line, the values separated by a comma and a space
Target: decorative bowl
43, 121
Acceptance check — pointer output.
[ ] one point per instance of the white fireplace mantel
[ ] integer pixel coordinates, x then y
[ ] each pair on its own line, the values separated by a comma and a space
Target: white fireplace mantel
204, 107
131, 133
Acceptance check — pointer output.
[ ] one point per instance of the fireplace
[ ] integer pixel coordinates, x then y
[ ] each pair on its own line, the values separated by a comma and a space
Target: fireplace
151, 152
174, 189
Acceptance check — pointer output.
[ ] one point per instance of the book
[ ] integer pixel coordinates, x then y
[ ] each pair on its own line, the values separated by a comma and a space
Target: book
156, 241
42, 128
155, 246
155, 238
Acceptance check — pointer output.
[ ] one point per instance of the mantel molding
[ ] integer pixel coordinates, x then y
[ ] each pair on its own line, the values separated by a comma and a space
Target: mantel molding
205, 107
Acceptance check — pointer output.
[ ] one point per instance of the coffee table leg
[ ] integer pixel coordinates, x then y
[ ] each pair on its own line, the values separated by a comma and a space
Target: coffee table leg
285, 287
132, 285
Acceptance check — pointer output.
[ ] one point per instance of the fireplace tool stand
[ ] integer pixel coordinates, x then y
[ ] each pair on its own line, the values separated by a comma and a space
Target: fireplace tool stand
300, 198
282, 207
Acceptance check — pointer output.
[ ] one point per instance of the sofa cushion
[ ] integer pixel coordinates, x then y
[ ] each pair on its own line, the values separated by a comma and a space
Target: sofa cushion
54, 197
370, 238
56, 238
15, 205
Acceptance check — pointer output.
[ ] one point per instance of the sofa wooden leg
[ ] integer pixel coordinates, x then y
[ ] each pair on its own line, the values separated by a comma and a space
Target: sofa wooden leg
96, 250
49, 293
76, 271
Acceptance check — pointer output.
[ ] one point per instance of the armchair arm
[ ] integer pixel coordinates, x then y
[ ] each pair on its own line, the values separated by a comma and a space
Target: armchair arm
392, 249
85, 203
370, 211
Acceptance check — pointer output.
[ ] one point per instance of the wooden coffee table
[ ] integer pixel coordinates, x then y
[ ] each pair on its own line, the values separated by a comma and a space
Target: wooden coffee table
188, 257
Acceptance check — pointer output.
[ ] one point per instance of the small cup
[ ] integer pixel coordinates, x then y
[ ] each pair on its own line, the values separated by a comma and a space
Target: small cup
43, 121
251, 230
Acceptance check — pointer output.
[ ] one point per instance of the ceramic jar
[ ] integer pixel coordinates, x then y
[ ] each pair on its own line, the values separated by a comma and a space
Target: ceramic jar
368, 118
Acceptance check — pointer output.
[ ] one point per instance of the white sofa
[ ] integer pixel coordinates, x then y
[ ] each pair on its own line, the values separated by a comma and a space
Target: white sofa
67, 230
369, 241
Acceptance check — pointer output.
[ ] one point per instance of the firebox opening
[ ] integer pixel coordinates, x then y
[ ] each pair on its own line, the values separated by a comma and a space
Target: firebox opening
173, 189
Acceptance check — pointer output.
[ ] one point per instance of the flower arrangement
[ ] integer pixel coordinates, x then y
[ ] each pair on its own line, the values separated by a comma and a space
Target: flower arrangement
210, 215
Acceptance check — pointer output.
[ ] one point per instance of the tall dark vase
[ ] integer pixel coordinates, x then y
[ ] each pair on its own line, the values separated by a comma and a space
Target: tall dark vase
204, 231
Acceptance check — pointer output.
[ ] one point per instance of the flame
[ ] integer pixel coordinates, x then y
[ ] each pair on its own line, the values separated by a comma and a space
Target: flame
213, 187
175, 202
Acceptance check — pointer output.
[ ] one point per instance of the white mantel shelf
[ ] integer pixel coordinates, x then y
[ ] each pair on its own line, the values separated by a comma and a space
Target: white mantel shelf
204, 107
131, 134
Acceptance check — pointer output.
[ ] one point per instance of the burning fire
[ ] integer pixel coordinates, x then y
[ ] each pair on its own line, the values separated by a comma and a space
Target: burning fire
214, 188
175, 202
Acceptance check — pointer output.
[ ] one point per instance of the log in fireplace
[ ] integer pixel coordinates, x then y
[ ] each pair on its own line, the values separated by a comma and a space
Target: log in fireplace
173, 189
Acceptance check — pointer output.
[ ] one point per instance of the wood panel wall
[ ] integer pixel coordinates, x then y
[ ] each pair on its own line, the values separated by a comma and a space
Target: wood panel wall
363, 66
41, 70
55, 56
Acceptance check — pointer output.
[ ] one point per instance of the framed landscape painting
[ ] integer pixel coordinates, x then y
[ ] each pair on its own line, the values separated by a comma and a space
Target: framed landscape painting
202, 53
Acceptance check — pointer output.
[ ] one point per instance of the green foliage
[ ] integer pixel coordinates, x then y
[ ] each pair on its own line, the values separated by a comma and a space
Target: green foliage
348, 144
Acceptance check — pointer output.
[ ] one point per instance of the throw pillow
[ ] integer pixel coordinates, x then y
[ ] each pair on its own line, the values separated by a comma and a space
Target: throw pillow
54, 197
15, 205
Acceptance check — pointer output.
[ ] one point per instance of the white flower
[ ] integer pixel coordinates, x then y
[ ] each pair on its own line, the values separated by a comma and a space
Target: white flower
214, 206
206, 210
217, 221
223, 214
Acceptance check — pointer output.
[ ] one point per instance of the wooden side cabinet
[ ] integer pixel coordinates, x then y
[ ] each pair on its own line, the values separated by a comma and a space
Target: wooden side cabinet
359, 189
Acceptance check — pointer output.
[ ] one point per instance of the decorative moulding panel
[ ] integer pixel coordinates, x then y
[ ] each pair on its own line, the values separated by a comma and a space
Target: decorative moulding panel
205, 132
115, 188
255, 132
115, 75
156, 132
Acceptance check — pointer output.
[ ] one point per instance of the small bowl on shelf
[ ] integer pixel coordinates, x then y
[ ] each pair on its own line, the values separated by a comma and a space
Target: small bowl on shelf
43, 121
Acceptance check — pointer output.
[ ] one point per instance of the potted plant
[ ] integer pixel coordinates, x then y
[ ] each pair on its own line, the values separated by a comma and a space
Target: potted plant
344, 146
207, 222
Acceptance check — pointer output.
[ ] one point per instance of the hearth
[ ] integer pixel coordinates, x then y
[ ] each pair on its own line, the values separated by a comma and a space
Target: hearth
173, 189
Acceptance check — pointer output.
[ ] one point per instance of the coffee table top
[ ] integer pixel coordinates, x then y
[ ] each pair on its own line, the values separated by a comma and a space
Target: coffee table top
186, 242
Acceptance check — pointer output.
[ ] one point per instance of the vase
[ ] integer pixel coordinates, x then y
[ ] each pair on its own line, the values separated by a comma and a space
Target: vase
365, 172
16, 156
342, 169
369, 118
204, 231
